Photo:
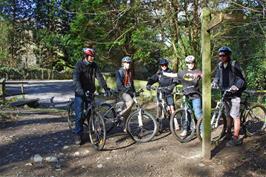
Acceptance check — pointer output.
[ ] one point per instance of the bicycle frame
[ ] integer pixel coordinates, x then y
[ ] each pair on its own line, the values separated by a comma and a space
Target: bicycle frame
161, 102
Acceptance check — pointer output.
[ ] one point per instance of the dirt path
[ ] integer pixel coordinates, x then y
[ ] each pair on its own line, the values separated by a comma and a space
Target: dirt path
39, 143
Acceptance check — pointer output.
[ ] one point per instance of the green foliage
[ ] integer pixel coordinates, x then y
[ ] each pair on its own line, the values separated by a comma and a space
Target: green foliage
145, 30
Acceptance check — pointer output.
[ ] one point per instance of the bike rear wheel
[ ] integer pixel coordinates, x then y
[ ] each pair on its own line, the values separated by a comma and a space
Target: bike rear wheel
108, 113
217, 129
97, 131
255, 119
179, 123
141, 126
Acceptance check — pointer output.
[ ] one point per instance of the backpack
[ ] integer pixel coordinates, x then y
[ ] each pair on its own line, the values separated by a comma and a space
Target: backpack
240, 73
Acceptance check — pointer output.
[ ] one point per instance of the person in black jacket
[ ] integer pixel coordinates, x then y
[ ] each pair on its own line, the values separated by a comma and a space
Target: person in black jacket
190, 79
227, 77
166, 82
84, 76
125, 85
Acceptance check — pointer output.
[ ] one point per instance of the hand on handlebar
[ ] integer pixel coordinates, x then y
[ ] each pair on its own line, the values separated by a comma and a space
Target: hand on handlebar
233, 88
148, 87
214, 85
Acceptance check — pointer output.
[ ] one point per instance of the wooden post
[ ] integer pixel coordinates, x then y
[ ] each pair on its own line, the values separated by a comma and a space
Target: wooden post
206, 90
3, 82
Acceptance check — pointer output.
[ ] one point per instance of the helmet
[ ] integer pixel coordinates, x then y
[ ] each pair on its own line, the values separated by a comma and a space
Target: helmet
190, 59
225, 49
89, 52
163, 61
126, 59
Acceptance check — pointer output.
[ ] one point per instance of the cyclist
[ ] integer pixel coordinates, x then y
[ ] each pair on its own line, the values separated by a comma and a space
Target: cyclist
125, 85
166, 82
84, 80
226, 78
190, 79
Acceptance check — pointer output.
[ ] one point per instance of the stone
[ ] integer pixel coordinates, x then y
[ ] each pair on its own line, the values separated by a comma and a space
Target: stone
37, 158
99, 165
51, 159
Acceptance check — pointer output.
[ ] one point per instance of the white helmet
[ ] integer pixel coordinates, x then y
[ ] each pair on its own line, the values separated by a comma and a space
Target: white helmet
190, 59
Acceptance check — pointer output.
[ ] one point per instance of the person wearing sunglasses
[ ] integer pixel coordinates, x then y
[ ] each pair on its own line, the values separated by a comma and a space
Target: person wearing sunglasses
165, 82
190, 79
229, 75
85, 72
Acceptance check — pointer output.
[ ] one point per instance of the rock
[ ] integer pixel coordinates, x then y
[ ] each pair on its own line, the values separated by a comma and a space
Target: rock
99, 165
201, 165
37, 158
65, 147
85, 152
76, 153
28, 164
51, 159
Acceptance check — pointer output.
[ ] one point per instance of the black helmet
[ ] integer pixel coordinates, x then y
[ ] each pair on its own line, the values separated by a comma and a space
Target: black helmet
225, 50
163, 61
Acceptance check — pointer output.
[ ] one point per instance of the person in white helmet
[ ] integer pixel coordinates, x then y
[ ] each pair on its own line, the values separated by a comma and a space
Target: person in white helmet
190, 79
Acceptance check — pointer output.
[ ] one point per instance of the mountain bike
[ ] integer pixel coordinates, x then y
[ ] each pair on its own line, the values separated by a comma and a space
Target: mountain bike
91, 119
252, 117
140, 124
183, 119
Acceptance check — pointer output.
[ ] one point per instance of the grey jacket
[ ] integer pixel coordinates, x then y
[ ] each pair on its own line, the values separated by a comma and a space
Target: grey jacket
234, 78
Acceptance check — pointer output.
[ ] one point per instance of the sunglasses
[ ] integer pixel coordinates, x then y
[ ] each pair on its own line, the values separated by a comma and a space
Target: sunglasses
163, 65
189, 63
223, 55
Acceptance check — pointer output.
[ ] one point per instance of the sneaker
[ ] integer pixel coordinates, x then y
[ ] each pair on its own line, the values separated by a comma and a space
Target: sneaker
183, 133
79, 140
235, 141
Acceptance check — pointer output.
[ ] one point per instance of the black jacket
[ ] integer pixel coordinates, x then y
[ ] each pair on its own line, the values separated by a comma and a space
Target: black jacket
84, 78
222, 73
120, 76
163, 80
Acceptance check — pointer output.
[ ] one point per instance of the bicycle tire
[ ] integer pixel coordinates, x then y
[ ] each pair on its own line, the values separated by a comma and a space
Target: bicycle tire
255, 119
216, 132
143, 133
97, 131
109, 117
71, 115
179, 116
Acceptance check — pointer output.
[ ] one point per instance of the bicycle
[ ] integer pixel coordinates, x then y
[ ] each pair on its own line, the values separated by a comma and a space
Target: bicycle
253, 118
183, 119
95, 122
140, 124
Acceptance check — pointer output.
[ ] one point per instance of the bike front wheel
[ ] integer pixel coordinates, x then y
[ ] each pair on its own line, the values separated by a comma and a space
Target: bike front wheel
108, 113
141, 126
255, 119
97, 131
182, 126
